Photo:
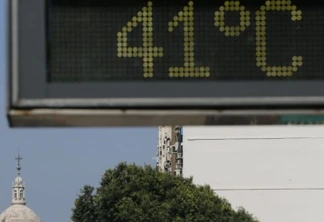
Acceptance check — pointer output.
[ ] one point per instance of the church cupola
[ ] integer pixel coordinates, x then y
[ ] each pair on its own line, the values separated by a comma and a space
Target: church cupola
18, 188
18, 211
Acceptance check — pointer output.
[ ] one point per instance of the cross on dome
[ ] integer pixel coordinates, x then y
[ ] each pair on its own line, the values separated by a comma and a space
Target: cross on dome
18, 160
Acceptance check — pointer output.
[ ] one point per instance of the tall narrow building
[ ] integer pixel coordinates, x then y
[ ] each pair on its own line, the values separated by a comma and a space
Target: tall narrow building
169, 150
18, 211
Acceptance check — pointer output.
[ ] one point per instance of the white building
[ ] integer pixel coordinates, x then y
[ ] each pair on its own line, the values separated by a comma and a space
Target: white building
276, 173
18, 211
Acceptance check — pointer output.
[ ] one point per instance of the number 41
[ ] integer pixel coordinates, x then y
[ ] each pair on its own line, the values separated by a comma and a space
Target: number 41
148, 51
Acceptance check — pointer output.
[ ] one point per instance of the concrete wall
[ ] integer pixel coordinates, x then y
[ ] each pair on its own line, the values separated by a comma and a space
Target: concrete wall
276, 173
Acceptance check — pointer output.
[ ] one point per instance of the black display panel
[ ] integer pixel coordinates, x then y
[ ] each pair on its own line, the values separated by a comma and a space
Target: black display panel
177, 40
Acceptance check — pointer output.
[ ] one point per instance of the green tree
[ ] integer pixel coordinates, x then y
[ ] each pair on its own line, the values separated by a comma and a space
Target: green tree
85, 206
130, 193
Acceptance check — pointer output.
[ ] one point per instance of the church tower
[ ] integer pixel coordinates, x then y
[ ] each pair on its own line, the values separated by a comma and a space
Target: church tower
18, 211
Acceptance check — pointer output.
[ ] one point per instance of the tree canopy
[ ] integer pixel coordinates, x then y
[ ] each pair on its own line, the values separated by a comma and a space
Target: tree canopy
131, 193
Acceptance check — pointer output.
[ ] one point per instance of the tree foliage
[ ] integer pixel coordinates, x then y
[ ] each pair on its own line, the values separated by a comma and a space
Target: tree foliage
85, 206
130, 193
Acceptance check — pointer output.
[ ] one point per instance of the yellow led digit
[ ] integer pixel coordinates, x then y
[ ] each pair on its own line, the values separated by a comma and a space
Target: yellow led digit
233, 6
186, 16
261, 38
147, 51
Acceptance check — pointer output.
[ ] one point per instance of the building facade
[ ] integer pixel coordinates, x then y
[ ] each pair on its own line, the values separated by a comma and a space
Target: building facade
169, 150
274, 172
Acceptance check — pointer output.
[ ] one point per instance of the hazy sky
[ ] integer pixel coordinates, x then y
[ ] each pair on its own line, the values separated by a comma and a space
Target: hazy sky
58, 162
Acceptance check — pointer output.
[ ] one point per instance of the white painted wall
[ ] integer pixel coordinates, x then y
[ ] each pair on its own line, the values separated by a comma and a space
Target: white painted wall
276, 172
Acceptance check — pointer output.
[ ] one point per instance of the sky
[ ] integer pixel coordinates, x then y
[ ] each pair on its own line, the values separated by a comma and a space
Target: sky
58, 162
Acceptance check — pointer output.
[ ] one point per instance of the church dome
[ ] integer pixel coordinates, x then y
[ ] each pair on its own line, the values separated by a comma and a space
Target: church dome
19, 213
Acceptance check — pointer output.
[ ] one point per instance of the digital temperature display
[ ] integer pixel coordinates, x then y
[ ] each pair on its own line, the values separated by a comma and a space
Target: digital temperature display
172, 40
